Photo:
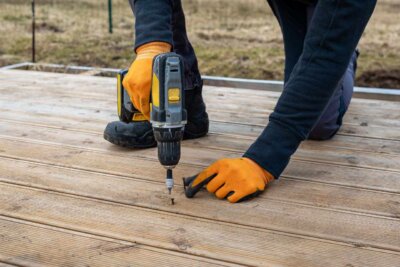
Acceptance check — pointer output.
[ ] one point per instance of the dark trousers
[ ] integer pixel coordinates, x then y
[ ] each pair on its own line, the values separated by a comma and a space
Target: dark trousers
183, 47
294, 19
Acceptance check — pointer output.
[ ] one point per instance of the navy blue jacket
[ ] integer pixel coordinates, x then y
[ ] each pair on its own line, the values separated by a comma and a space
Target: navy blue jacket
329, 44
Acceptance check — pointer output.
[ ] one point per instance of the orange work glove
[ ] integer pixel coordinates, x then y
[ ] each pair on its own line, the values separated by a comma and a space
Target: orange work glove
239, 179
137, 81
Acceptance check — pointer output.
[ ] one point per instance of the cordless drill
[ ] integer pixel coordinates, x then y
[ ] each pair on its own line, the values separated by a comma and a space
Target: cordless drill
167, 109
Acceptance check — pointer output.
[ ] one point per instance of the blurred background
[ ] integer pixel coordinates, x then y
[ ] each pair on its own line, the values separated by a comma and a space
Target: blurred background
235, 38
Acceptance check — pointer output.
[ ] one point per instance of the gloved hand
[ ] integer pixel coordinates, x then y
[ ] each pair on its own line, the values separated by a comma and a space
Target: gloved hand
137, 81
239, 179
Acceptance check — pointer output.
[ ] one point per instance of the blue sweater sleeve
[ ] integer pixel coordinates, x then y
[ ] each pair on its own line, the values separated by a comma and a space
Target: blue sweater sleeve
153, 21
331, 39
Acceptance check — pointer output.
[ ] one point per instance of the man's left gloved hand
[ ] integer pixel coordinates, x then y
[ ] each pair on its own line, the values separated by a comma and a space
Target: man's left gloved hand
238, 179
138, 79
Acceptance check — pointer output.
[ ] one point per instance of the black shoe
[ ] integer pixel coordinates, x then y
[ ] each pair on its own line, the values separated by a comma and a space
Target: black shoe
133, 135
140, 134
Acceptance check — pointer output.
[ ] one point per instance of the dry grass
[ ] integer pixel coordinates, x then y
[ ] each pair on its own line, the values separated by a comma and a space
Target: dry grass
238, 38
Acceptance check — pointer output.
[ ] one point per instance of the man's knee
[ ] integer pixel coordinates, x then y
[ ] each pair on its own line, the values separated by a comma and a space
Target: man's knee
324, 131
330, 122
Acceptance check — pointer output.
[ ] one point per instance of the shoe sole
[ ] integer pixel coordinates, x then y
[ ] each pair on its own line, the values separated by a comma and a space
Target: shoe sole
128, 143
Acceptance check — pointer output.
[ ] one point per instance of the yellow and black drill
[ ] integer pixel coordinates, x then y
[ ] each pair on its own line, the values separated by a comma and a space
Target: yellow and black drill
167, 109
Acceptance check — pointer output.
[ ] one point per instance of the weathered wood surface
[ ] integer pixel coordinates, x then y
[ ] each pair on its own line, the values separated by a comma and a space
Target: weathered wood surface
337, 204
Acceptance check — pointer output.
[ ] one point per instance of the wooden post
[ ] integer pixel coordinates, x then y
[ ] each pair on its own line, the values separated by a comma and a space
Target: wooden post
110, 26
33, 33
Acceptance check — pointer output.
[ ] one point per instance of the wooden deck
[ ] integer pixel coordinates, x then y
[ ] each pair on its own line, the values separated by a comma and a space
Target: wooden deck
69, 198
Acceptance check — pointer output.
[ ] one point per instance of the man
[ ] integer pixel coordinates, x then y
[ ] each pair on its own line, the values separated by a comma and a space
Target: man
320, 39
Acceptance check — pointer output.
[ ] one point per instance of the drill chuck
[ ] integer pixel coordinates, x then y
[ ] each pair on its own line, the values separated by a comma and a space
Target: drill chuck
169, 145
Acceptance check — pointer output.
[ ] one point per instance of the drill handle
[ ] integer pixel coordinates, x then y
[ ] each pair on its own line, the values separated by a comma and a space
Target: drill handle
126, 110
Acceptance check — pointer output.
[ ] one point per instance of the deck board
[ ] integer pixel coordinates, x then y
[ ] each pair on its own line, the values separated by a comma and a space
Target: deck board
337, 204
274, 211
70, 248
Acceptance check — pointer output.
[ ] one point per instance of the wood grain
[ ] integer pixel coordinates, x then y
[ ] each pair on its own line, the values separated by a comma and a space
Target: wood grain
237, 113
337, 203
282, 208
27, 244
350, 172
211, 239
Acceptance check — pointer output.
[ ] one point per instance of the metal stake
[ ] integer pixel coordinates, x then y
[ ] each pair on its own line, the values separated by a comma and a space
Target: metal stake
110, 26
33, 33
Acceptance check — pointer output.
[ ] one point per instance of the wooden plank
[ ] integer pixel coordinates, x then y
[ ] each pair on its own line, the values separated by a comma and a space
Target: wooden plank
333, 197
75, 106
212, 141
334, 152
28, 244
241, 142
192, 156
261, 119
224, 126
230, 112
232, 102
227, 128
147, 169
233, 243
259, 103
339, 174
238, 112
235, 104
237, 143
104, 104
387, 207
53, 121
81, 173
104, 85
272, 212
252, 130
386, 133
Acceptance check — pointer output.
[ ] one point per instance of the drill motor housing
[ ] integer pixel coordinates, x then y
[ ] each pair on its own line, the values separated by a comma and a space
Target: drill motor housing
167, 101
168, 114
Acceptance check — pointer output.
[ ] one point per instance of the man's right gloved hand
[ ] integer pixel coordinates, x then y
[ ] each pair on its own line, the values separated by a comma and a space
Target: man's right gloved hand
137, 81
237, 179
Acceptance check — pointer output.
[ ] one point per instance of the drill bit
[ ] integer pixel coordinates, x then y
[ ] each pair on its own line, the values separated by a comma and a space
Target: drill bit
170, 183
169, 180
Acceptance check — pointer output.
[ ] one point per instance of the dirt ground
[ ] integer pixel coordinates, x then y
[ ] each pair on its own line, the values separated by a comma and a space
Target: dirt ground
239, 38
